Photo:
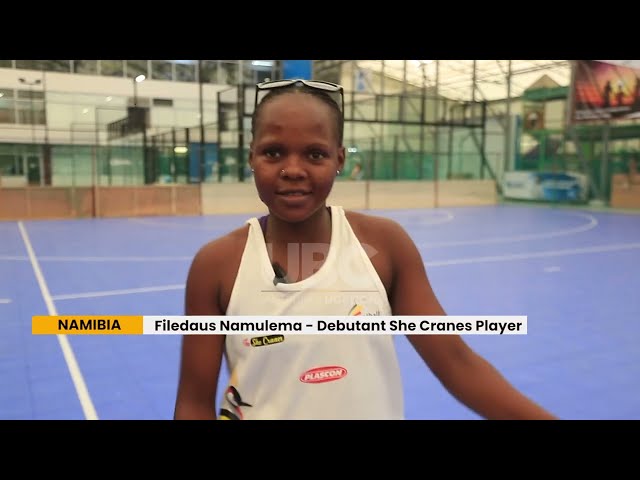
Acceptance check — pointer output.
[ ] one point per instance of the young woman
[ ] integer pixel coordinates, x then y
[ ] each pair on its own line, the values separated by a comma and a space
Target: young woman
307, 258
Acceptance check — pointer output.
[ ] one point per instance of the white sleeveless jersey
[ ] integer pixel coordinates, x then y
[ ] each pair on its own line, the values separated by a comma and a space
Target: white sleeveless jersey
311, 376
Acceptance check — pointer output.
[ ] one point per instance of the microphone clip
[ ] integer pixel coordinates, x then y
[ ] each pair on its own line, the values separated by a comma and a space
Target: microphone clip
280, 274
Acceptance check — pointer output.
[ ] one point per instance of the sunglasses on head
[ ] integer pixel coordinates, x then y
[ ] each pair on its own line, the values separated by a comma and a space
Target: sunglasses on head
332, 89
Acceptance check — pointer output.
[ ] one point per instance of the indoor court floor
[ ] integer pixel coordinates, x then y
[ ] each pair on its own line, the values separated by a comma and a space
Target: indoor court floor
573, 272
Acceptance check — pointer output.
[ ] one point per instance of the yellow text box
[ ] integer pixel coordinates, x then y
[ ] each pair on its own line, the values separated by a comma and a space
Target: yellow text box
87, 325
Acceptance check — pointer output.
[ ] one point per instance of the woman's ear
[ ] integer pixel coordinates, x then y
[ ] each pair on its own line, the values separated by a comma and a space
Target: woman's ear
341, 158
250, 160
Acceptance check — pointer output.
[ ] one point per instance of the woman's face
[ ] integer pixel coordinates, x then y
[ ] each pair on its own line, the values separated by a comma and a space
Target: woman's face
295, 155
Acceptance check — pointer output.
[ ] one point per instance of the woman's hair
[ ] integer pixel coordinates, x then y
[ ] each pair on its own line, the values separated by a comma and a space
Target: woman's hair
323, 96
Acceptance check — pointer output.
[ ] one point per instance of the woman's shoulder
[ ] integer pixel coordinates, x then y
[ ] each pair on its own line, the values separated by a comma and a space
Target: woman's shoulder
377, 231
372, 223
224, 247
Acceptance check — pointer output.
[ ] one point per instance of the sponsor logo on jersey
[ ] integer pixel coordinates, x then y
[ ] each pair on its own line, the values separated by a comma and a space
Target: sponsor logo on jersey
262, 341
235, 403
323, 374
358, 310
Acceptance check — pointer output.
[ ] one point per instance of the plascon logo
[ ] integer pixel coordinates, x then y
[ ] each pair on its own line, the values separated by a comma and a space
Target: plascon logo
323, 374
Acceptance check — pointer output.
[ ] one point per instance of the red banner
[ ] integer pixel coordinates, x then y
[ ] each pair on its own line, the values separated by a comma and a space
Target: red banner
605, 91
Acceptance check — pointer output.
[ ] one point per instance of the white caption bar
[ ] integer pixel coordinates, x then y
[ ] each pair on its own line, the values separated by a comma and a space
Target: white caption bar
338, 325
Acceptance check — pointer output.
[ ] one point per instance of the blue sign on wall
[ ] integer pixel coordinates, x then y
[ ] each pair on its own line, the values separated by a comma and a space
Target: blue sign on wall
210, 159
297, 69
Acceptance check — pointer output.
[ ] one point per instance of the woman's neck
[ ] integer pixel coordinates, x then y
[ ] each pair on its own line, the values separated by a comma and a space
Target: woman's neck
315, 229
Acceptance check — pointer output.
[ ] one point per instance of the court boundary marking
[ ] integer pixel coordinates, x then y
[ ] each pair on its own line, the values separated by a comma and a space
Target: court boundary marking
431, 264
448, 217
70, 358
593, 223
157, 223
51, 258
124, 291
530, 255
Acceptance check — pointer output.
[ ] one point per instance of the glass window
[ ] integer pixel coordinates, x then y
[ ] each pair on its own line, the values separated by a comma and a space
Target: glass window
25, 112
162, 102
209, 71
161, 70
57, 65
30, 64
249, 72
30, 107
254, 71
11, 164
185, 72
228, 73
30, 94
263, 76
112, 68
7, 107
328, 72
137, 67
87, 67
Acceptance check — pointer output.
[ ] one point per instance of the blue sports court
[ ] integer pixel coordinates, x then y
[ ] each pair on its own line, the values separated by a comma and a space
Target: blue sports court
573, 272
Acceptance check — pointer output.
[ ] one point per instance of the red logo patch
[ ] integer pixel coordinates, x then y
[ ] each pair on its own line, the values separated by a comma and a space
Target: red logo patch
323, 374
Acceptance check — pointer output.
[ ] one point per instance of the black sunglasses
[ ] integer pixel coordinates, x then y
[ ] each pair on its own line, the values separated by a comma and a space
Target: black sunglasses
263, 89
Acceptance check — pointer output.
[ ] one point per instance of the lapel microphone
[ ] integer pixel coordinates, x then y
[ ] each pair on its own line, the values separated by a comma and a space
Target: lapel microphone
280, 274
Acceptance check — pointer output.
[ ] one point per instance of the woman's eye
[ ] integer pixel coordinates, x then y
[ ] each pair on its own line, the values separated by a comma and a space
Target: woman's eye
272, 153
317, 155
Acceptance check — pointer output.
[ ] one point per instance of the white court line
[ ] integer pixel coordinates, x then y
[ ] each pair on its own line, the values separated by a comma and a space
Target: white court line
54, 258
107, 293
593, 223
447, 218
67, 351
156, 223
114, 259
440, 263
524, 256
5, 300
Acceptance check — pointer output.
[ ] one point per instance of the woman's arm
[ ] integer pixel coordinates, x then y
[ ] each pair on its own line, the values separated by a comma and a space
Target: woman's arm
466, 375
201, 355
